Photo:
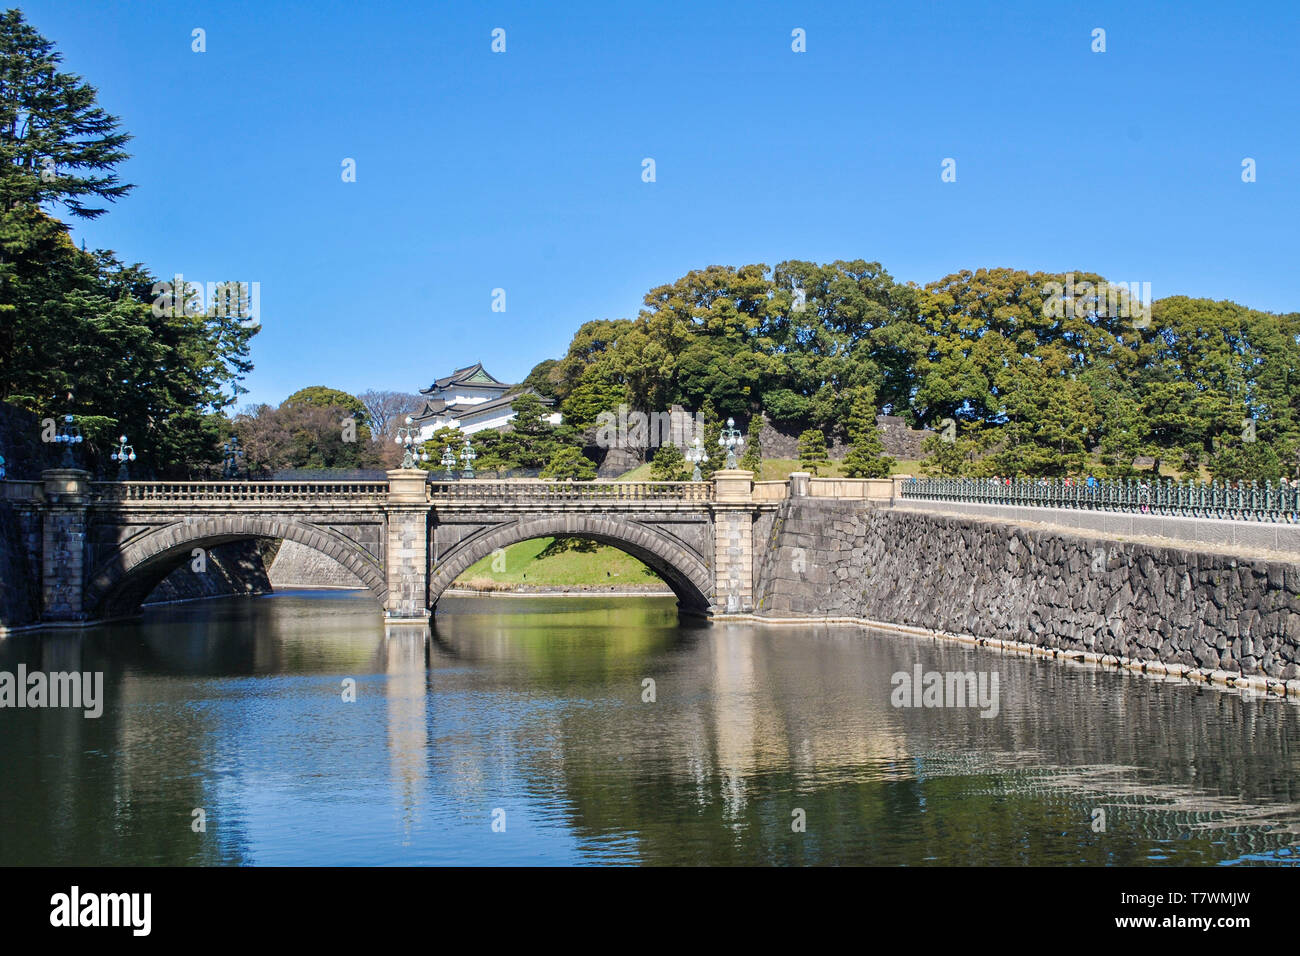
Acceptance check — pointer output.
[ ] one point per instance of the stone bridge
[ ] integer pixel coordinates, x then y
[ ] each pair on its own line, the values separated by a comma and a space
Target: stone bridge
99, 548
1166, 584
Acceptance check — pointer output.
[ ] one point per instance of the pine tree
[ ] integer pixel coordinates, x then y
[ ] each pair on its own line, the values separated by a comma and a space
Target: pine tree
58, 144
78, 334
947, 458
490, 447
530, 443
568, 463
752, 459
1237, 460
866, 457
712, 440
438, 443
812, 450
670, 464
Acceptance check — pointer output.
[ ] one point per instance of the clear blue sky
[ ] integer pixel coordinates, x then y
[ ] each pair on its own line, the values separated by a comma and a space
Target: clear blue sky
522, 170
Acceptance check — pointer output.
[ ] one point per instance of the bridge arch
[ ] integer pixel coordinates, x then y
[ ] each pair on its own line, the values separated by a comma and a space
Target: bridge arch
678, 566
120, 583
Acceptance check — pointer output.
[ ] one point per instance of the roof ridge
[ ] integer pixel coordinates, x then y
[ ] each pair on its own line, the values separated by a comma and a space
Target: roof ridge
462, 376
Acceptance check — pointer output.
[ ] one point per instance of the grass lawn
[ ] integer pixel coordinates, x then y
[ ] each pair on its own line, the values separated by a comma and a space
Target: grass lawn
546, 562
639, 473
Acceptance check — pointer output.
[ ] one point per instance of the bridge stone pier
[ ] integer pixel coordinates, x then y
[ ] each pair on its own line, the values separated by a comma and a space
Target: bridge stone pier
406, 566
97, 549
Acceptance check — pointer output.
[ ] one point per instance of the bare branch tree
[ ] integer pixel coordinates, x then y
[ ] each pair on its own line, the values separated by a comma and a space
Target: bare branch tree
387, 410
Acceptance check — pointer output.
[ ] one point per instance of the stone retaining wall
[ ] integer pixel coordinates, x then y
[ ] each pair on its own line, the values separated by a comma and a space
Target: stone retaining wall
996, 581
20, 569
898, 440
235, 568
298, 566
1203, 532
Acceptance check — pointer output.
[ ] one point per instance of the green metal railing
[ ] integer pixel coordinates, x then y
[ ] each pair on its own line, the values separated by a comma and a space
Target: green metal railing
1239, 501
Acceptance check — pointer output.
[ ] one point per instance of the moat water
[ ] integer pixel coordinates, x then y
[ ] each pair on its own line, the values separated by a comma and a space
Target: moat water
605, 730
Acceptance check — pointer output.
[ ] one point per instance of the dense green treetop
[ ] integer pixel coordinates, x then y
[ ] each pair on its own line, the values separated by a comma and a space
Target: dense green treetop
319, 396
57, 145
1057, 373
79, 333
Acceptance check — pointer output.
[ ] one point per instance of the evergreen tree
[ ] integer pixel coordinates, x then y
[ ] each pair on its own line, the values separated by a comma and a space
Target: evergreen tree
442, 439
1237, 460
948, 459
752, 459
866, 457
543, 378
492, 451
530, 442
670, 464
78, 330
812, 450
712, 440
569, 463
585, 403
1055, 367
321, 396
301, 435
59, 146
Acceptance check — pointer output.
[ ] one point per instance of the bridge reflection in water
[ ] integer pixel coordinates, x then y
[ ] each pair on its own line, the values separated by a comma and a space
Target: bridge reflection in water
537, 707
404, 658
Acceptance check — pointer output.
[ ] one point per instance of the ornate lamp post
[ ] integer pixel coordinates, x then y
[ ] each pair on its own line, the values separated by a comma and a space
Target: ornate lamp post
731, 440
449, 463
232, 452
697, 456
408, 436
69, 434
467, 456
123, 454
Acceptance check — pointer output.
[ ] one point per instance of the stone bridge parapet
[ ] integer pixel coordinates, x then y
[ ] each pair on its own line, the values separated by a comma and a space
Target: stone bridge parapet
95, 550
105, 545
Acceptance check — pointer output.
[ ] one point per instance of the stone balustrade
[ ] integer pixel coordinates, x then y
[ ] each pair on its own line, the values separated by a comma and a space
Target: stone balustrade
479, 489
235, 491
21, 490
